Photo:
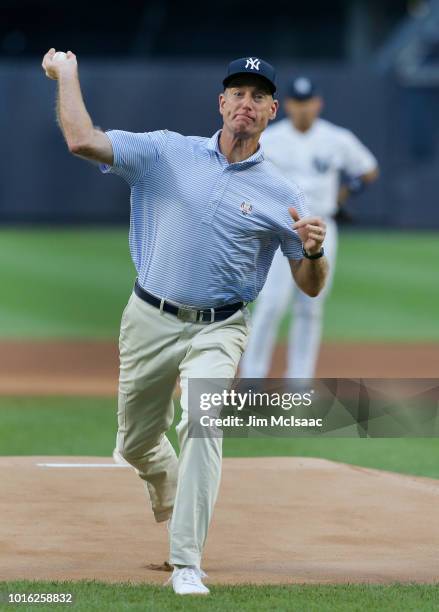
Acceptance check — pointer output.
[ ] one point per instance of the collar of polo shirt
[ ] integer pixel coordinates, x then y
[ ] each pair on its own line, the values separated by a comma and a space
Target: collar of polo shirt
213, 145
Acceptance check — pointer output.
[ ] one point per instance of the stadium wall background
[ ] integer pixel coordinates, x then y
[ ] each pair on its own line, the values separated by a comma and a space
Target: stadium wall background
40, 182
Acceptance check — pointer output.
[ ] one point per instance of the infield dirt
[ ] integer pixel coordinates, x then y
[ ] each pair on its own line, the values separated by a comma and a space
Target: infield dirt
91, 368
277, 520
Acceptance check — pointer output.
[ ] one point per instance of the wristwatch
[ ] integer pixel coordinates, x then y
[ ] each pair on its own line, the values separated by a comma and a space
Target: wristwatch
315, 256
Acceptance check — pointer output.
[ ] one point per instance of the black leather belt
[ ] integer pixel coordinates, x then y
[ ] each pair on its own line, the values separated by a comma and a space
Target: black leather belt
185, 313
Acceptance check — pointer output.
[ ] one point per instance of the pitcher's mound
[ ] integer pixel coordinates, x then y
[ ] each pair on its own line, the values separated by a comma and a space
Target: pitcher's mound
278, 520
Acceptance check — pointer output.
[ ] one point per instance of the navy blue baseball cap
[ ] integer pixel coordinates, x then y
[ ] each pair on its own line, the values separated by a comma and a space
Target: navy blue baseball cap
252, 65
301, 88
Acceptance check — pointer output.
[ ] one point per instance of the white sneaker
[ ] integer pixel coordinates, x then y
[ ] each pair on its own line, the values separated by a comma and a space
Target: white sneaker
187, 581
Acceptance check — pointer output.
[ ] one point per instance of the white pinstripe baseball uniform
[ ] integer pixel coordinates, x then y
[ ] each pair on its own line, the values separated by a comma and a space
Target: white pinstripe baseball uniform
314, 160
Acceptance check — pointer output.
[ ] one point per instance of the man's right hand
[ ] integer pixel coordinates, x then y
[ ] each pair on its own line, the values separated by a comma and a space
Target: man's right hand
53, 66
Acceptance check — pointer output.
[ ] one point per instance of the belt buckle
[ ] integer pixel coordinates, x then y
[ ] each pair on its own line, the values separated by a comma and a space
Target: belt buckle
188, 315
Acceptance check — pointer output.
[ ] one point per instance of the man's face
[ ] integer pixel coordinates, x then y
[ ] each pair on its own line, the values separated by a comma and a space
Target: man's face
303, 112
247, 106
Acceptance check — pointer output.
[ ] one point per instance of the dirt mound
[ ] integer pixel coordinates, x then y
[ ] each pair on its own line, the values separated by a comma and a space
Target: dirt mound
278, 520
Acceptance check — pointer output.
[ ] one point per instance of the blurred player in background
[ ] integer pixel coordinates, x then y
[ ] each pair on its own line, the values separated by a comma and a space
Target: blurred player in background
313, 153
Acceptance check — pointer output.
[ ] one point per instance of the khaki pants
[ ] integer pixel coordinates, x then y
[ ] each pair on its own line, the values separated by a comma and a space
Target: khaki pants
155, 348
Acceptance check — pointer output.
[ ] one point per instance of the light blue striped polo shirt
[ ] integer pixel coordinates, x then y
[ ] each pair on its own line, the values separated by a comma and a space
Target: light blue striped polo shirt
203, 231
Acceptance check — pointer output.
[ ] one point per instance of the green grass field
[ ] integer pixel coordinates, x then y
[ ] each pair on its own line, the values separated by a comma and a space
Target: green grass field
87, 426
303, 598
75, 283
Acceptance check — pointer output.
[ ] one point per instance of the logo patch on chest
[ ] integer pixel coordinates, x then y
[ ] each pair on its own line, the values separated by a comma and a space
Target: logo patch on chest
321, 165
246, 208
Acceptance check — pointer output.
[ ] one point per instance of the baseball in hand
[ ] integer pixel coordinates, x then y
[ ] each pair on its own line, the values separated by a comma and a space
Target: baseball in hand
59, 56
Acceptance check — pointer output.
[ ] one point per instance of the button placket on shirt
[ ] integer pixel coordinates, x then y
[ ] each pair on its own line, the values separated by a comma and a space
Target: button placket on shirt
217, 195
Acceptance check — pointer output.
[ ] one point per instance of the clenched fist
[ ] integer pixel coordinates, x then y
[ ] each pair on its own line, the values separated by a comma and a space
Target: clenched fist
311, 230
54, 63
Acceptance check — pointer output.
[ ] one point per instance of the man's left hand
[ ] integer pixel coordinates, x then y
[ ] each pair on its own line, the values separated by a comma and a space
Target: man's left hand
311, 230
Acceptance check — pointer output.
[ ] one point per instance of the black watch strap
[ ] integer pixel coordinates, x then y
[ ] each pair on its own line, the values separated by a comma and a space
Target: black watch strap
315, 256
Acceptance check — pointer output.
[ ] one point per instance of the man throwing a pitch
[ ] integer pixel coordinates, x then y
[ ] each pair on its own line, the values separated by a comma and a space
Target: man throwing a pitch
312, 152
207, 215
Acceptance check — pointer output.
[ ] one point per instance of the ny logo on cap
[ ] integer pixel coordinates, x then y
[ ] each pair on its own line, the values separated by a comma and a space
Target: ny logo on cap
253, 64
303, 85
